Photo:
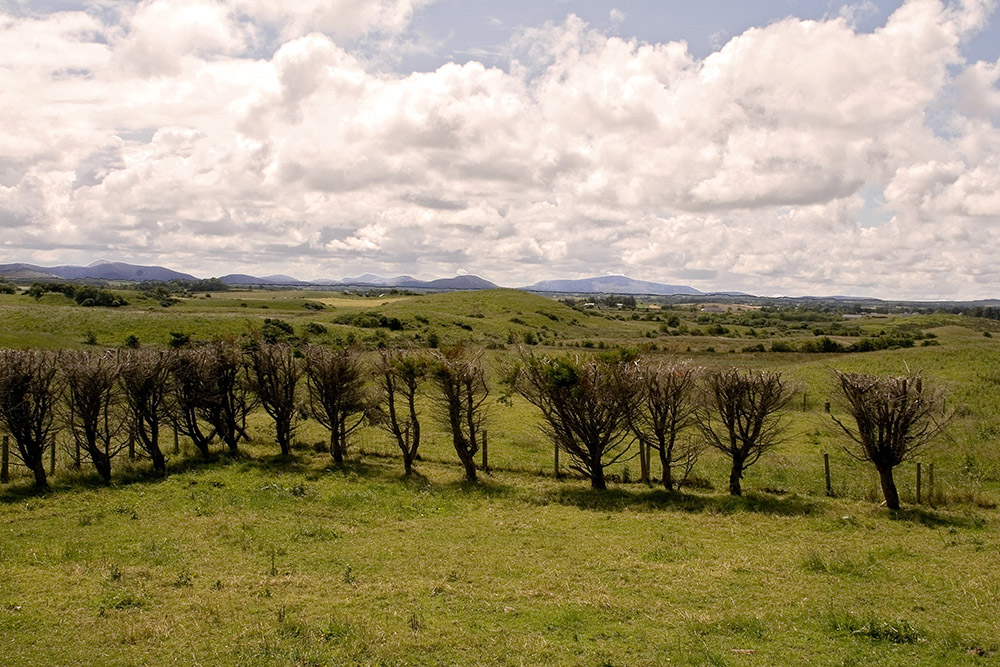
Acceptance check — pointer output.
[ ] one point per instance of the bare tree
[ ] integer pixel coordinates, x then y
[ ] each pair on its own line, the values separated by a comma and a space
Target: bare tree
196, 403
95, 408
460, 378
145, 379
587, 407
667, 408
335, 380
212, 387
741, 417
399, 376
274, 378
894, 417
233, 398
29, 394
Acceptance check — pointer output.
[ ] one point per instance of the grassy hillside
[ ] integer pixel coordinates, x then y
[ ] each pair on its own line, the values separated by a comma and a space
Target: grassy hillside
260, 561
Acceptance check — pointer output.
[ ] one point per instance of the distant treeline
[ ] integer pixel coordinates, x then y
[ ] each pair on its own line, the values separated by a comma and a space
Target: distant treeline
986, 312
85, 295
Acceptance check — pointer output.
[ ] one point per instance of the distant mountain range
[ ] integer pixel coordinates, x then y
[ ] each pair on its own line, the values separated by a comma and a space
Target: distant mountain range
105, 270
366, 280
100, 270
610, 285
244, 279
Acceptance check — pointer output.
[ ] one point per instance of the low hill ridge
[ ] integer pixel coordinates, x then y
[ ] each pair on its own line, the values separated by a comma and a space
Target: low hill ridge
610, 285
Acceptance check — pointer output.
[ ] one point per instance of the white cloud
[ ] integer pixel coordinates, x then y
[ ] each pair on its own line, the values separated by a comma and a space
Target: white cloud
341, 19
166, 139
161, 33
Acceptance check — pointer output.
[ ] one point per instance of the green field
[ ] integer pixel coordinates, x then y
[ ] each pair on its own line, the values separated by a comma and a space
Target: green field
258, 560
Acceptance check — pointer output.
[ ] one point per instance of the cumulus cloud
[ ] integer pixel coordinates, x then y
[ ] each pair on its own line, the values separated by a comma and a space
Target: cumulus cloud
341, 19
168, 136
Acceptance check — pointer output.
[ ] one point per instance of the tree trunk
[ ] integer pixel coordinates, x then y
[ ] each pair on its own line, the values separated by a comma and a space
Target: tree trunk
643, 462
336, 451
407, 464
102, 463
888, 487
38, 468
735, 475
283, 442
202, 446
597, 480
159, 461
469, 462
668, 476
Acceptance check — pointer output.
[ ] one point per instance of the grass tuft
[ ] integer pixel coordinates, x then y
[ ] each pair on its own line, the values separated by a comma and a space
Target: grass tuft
895, 631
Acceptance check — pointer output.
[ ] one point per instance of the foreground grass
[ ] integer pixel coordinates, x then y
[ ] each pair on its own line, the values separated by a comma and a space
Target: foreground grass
255, 561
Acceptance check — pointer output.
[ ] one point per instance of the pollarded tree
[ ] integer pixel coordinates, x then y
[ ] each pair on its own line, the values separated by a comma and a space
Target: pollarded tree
29, 393
741, 416
667, 390
894, 417
195, 396
275, 375
335, 380
232, 399
460, 401
587, 407
399, 375
145, 379
95, 407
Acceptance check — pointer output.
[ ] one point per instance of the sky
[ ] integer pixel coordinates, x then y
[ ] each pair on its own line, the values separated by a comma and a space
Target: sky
772, 147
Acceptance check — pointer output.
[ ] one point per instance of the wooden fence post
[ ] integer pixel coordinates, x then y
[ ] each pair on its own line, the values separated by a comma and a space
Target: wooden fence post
918, 483
643, 463
5, 461
930, 484
826, 470
486, 449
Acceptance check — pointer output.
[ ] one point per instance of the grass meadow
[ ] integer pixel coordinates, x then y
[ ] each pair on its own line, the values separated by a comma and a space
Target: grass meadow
260, 560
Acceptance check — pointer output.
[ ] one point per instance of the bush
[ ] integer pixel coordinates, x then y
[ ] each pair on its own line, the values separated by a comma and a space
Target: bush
92, 296
370, 320
274, 330
823, 345
178, 339
315, 329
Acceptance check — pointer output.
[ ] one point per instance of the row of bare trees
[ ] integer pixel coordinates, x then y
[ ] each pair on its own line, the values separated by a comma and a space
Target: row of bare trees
125, 398
593, 408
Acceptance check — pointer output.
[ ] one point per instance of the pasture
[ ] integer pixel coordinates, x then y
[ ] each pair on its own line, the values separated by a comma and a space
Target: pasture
262, 560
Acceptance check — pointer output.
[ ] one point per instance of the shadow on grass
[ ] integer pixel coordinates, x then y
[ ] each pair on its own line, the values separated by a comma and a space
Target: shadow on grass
617, 500
934, 519
139, 472
486, 487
